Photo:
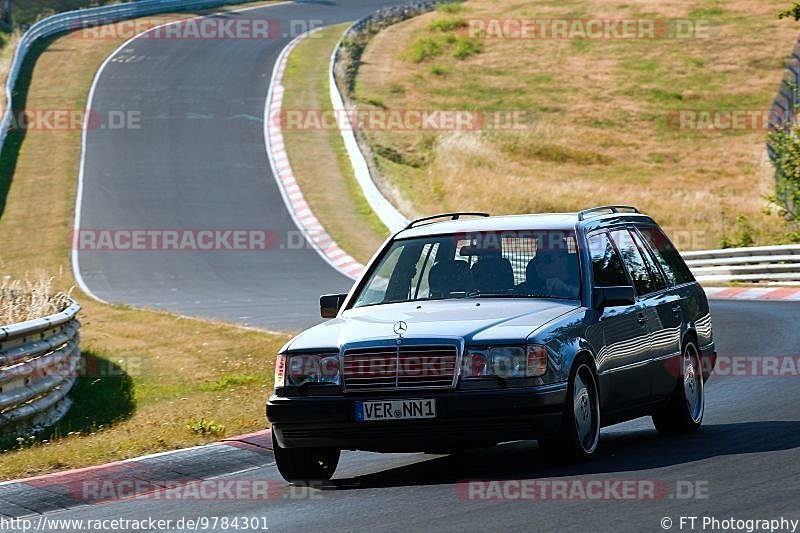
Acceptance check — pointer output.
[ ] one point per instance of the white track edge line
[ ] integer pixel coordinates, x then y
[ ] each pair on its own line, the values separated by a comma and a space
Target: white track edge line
74, 254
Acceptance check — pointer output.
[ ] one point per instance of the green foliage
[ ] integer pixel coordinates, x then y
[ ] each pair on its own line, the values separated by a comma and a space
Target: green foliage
466, 47
743, 236
792, 12
447, 24
205, 427
450, 7
234, 380
786, 145
425, 48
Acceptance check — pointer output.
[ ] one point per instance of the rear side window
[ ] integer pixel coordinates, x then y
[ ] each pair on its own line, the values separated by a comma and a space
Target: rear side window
607, 268
667, 255
655, 273
634, 262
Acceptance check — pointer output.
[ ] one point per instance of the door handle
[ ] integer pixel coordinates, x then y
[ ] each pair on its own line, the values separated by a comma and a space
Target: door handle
676, 310
641, 319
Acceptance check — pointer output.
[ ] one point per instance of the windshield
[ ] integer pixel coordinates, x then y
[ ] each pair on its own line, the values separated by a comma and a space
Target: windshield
507, 264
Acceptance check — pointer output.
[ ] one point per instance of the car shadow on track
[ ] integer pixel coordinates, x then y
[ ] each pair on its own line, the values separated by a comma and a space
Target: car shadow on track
618, 452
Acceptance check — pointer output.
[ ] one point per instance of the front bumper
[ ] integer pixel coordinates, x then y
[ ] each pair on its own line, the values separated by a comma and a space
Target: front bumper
464, 419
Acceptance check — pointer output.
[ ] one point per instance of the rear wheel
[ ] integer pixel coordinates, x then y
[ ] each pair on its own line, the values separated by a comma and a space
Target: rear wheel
686, 407
301, 465
580, 427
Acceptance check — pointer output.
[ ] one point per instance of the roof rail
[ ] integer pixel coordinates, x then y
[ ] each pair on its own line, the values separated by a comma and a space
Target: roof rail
611, 208
453, 216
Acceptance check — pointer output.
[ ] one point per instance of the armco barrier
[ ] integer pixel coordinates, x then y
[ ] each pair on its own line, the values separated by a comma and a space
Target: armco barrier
772, 264
39, 362
70, 20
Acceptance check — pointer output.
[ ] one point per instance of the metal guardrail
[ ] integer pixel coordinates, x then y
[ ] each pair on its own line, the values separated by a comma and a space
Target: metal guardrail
39, 363
771, 264
72, 20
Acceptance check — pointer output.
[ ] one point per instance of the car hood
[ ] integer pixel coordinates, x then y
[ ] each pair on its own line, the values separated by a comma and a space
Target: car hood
474, 320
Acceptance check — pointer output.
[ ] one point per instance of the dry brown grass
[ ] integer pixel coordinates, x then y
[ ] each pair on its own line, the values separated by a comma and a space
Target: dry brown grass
179, 370
30, 297
600, 107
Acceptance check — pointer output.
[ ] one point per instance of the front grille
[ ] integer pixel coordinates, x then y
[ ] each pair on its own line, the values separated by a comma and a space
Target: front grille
399, 367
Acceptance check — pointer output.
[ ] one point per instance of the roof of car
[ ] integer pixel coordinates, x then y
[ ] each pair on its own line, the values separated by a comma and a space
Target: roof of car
543, 221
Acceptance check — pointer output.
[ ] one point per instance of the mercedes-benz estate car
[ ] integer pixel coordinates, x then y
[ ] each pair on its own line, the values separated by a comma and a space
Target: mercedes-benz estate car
477, 330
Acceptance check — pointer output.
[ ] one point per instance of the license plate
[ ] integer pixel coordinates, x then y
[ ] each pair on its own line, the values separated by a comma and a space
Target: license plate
395, 410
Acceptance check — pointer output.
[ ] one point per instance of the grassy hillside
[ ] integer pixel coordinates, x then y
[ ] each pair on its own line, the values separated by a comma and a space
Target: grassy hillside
601, 113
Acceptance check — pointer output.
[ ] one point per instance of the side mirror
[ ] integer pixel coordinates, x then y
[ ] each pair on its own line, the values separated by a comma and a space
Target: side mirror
329, 304
612, 296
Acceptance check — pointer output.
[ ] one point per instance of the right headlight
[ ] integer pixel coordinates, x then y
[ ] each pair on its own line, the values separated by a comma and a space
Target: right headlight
505, 362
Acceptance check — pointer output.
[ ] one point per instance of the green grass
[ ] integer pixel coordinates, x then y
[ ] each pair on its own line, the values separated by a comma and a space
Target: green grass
425, 48
350, 221
447, 24
466, 47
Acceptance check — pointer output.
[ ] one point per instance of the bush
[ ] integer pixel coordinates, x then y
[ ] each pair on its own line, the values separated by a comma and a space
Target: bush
425, 48
744, 235
205, 427
466, 47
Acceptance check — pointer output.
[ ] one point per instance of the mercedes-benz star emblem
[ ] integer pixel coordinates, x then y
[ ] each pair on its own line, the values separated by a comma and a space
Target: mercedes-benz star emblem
400, 327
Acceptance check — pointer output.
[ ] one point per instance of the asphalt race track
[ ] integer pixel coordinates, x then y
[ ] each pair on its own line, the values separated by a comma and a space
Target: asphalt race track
198, 162
744, 460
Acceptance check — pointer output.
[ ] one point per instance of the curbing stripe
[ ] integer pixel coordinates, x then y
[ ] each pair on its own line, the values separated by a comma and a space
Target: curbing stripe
753, 293
292, 195
63, 490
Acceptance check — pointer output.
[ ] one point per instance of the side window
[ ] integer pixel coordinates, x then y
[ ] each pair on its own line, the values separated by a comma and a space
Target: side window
667, 255
633, 262
655, 273
607, 269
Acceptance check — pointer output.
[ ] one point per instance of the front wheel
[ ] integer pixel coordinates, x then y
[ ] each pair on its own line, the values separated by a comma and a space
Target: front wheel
302, 465
684, 412
580, 426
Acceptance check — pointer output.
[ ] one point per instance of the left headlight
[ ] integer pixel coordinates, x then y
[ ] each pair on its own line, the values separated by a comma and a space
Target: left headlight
312, 368
505, 362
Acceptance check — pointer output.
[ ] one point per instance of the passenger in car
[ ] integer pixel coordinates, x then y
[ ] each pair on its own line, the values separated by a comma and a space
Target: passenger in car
551, 273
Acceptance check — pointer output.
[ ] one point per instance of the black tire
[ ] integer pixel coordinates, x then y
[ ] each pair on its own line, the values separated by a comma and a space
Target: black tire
579, 434
303, 465
685, 410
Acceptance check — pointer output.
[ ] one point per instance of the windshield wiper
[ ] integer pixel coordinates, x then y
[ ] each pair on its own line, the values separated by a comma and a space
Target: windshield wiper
478, 294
